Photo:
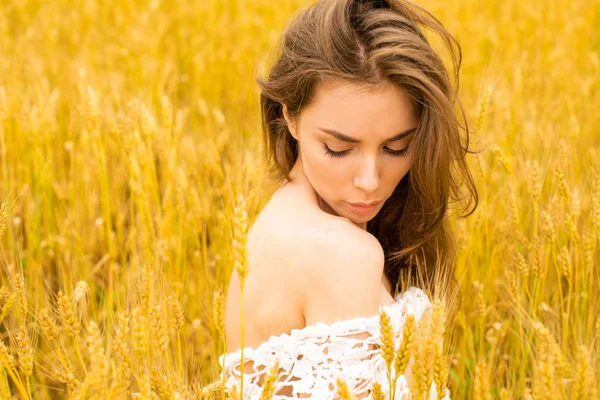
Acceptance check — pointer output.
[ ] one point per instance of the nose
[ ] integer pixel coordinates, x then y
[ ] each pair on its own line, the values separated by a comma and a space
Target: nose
367, 177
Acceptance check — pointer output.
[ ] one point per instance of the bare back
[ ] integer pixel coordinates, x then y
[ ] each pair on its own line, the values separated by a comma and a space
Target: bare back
272, 291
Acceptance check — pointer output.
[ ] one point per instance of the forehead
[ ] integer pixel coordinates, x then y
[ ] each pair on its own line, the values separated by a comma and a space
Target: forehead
356, 106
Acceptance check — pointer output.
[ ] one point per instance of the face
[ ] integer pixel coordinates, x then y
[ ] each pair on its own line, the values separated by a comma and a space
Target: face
354, 145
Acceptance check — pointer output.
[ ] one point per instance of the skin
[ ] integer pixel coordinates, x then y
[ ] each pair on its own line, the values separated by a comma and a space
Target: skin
366, 172
317, 194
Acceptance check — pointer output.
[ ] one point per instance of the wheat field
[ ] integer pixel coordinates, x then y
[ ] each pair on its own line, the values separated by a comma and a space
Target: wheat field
130, 153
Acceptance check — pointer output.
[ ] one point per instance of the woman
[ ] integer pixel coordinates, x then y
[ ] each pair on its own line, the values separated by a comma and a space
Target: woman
360, 128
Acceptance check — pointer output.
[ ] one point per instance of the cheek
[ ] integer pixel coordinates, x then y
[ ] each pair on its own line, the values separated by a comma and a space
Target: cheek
407, 164
400, 170
325, 174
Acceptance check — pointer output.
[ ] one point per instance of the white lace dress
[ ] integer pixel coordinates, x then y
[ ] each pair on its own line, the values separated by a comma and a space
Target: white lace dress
311, 358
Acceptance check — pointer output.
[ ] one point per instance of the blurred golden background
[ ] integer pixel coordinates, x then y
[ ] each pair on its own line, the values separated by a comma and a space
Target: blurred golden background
128, 129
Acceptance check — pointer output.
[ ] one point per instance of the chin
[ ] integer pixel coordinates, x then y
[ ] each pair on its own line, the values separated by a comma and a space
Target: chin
358, 219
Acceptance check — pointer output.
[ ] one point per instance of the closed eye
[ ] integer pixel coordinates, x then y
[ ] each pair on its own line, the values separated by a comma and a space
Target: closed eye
335, 154
399, 153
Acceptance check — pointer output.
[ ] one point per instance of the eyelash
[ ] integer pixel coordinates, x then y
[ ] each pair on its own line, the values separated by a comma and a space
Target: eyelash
337, 154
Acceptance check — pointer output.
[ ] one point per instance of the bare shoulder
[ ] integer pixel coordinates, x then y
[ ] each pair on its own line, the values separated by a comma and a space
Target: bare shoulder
333, 269
342, 270
339, 239
317, 245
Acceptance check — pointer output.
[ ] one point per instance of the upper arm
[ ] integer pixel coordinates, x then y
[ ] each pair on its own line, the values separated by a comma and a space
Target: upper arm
342, 277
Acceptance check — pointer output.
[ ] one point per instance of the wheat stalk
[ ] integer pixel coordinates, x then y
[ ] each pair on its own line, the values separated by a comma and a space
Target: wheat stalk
21, 298
584, 386
482, 109
343, 391
440, 373
219, 320
482, 383
405, 349
139, 333
8, 305
69, 320
66, 373
159, 384
565, 262
505, 394
502, 158
548, 227
176, 320
387, 346
121, 350
240, 238
3, 219
94, 381
25, 353
5, 393
48, 325
268, 388
8, 362
544, 383
522, 266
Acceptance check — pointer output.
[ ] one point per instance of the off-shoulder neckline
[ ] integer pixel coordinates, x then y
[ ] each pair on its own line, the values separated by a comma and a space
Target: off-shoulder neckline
297, 332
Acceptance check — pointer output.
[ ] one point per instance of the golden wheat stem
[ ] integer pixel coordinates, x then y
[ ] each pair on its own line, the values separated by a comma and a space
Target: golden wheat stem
179, 356
242, 337
219, 316
78, 353
557, 269
481, 313
169, 370
6, 360
240, 233
105, 200
536, 218
570, 296
148, 362
146, 333
525, 350
177, 320
17, 381
561, 297
223, 375
28, 385
5, 393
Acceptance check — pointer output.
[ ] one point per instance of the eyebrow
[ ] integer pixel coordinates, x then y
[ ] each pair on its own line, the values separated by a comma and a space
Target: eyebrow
349, 139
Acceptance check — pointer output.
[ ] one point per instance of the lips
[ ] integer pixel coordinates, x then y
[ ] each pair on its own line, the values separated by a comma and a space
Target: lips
369, 204
363, 210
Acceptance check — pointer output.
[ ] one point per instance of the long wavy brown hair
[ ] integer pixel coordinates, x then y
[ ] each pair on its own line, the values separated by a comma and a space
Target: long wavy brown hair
367, 41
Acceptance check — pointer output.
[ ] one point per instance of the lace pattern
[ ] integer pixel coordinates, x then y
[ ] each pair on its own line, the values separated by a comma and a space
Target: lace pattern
311, 358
